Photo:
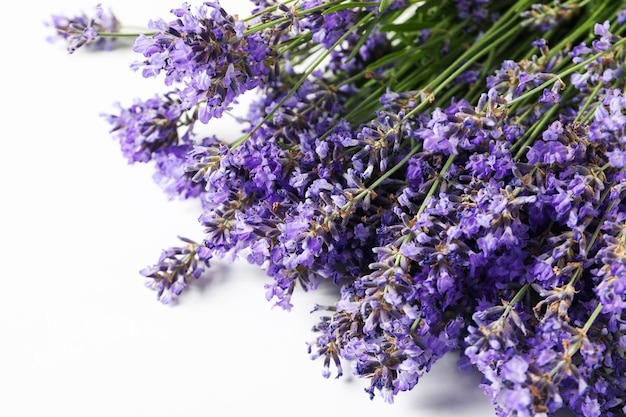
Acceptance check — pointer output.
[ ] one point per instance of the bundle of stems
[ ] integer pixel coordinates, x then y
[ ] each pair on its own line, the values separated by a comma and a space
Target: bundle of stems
455, 167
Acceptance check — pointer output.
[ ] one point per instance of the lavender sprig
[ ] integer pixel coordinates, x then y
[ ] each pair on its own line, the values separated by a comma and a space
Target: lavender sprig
91, 31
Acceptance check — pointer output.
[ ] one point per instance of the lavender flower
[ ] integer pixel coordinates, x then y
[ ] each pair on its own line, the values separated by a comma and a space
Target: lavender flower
176, 267
603, 69
608, 127
204, 50
546, 17
148, 126
85, 30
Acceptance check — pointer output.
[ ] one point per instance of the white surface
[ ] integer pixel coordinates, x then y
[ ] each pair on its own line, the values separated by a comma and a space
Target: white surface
79, 333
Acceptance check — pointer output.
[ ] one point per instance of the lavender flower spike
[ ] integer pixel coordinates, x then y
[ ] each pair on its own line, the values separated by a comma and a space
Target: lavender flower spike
177, 266
84, 30
203, 49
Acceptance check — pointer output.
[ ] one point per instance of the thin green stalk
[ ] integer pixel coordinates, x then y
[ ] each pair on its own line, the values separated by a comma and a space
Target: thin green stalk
301, 81
294, 43
518, 296
499, 32
522, 143
578, 30
588, 102
266, 10
435, 88
435, 184
509, 305
382, 178
583, 333
262, 26
467, 59
587, 326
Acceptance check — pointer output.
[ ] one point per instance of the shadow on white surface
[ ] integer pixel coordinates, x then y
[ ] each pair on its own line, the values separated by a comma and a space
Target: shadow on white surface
444, 391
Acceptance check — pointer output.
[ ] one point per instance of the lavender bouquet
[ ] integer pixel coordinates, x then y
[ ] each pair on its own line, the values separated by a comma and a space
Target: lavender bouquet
455, 167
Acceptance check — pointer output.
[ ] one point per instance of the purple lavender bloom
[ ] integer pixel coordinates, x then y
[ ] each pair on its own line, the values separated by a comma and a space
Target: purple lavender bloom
550, 97
175, 168
84, 30
607, 128
512, 79
545, 16
329, 27
606, 37
540, 43
617, 158
591, 407
502, 256
551, 149
604, 69
148, 126
621, 16
376, 45
519, 401
203, 49
478, 13
461, 126
472, 8
176, 268
515, 369
612, 265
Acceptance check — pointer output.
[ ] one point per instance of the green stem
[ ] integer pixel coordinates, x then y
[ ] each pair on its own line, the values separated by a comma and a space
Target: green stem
440, 83
262, 26
266, 10
518, 296
302, 79
578, 31
589, 323
583, 333
588, 102
498, 33
382, 178
435, 184
530, 134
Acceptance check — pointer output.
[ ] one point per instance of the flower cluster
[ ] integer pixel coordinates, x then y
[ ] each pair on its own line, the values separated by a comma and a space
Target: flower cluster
457, 169
206, 53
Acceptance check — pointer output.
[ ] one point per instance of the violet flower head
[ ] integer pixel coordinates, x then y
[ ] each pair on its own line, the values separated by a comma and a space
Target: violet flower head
621, 16
204, 50
472, 8
607, 128
548, 16
175, 168
176, 268
607, 67
148, 126
84, 30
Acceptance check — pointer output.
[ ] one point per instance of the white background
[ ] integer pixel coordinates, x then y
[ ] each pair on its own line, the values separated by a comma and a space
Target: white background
80, 335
